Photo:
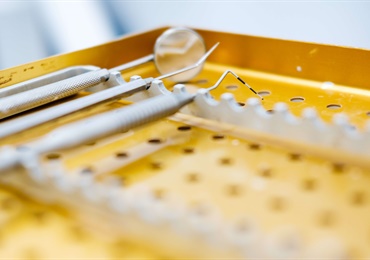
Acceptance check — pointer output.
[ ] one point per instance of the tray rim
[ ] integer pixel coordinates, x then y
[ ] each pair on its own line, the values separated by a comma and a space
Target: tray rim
314, 61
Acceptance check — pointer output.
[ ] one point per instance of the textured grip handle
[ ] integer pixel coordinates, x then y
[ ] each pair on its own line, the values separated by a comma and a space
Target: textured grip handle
36, 97
46, 79
112, 122
17, 125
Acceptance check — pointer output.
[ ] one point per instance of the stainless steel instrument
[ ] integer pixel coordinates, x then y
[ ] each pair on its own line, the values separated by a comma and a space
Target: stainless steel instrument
176, 48
119, 89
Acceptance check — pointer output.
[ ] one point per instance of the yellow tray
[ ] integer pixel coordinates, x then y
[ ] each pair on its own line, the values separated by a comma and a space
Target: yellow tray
302, 199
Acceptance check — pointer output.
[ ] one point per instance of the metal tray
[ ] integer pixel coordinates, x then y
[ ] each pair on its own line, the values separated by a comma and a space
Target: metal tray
302, 200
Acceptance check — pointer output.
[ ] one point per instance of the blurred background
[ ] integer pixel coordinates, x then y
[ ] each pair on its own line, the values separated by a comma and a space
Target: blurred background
31, 30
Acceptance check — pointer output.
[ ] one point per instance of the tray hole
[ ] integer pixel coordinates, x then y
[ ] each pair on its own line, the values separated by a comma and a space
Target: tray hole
155, 141
199, 209
295, 156
225, 161
184, 128
326, 219
368, 113
297, 99
235, 142
278, 204
192, 177
53, 156
159, 193
358, 198
309, 184
91, 144
233, 190
270, 111
243, 226
8, 203
121, 155
87, 170
218, 137
156, 165
352, 127
78, 233
116, 181
40, 215
232, 87
334, 106
188, 150
338, 167
122, 181
266, 172
255, 147
242, 104
202, 81
264, 93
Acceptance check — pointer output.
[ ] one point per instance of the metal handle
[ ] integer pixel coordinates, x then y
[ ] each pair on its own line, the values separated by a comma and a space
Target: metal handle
36, 97
133, 63
25, 122
112, 122
45, 80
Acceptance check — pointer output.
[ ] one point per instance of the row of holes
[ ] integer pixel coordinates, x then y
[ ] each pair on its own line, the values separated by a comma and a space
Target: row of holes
326, 218
265, 93
358, 198
308, 184
277, 204
337, 167
330, 106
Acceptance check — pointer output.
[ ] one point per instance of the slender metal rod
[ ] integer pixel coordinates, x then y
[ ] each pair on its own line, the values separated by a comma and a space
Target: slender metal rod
133, 63
197, 64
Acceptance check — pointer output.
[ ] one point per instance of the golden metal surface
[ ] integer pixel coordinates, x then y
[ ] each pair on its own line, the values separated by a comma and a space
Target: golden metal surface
208, 166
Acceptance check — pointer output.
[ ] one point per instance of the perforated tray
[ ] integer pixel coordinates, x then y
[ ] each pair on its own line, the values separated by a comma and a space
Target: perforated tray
306, 204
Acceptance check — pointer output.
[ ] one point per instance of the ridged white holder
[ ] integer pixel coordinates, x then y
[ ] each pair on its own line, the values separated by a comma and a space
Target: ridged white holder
309, 128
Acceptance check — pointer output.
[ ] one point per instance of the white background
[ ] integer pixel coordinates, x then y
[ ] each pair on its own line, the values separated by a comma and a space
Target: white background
30, 30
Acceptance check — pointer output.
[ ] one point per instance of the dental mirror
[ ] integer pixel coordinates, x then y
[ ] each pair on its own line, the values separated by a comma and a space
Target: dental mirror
178, 48
174, 49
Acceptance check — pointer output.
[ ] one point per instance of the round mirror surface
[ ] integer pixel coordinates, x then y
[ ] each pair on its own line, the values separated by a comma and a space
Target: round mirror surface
178, 48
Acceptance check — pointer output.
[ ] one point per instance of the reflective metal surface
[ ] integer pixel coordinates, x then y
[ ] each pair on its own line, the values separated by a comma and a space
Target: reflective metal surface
178, 48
